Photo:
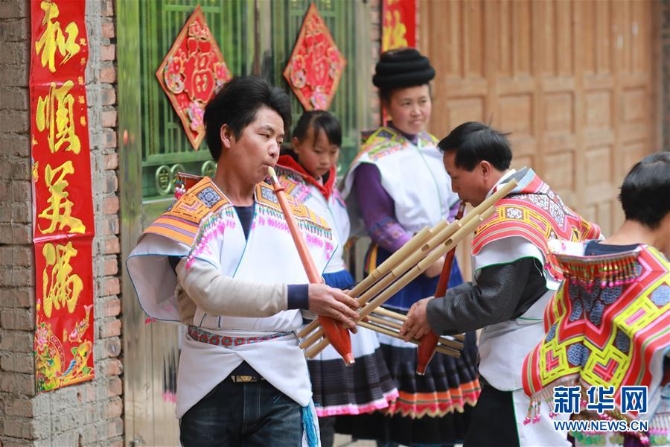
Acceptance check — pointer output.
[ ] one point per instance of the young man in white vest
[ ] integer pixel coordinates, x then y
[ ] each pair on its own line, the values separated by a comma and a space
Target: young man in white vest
222, 261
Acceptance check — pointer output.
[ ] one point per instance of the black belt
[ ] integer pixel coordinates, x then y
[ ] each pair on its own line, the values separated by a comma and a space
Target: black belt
244, 373
240, 378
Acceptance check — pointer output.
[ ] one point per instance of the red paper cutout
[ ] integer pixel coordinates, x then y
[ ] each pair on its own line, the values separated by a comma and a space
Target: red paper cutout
191, 73
316, 64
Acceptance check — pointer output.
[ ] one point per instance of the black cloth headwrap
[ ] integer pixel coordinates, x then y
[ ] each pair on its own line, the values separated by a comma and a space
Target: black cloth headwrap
402, 67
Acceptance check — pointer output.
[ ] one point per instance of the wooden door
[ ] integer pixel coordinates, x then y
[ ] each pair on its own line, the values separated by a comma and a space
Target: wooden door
571, 80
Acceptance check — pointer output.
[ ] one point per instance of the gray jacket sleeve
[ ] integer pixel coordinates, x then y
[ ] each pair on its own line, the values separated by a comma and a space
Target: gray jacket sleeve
503, 292
203, 285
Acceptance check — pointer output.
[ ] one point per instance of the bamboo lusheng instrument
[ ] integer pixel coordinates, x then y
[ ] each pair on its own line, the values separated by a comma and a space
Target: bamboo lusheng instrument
410, 247
439, 247
395, 320
336, 334
441, 349
428, 342
387, 272
402, 318
431, 248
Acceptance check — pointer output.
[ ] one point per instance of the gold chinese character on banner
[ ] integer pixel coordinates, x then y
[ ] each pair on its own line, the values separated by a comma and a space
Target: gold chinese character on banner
55, 112
59, 211
60, 287
394, 31
54, 39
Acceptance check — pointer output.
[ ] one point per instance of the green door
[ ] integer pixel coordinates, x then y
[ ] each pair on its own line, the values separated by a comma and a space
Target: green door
255, 36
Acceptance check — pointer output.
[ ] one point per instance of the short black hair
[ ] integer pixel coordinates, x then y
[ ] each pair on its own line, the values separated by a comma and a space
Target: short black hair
236, 105
474, 142
319, 120
645, 192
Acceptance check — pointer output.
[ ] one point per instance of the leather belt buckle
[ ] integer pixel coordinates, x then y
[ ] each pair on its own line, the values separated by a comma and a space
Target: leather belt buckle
245, 379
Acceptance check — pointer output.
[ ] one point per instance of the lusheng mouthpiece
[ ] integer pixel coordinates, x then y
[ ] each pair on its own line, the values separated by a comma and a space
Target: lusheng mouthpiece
273, 174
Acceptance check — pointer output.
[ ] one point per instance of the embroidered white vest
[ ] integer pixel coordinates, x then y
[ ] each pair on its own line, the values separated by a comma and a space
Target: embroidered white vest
413, 175
333, 210
268, 256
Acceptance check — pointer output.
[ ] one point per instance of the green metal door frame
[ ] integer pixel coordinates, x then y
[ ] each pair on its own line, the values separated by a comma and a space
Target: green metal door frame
130, 191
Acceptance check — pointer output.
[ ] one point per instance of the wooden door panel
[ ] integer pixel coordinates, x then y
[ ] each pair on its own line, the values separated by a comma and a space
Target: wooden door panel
572, 80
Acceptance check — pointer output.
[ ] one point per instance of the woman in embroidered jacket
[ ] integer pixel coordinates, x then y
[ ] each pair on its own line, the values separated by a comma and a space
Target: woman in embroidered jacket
396, 186
607, 326
219, 261
308, 173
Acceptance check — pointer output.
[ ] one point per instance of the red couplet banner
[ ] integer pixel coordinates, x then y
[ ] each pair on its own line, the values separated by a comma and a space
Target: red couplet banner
398, 27
398, 24
63, 225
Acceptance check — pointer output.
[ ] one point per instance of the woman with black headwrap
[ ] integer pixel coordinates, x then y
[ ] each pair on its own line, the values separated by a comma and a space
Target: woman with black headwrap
396, 186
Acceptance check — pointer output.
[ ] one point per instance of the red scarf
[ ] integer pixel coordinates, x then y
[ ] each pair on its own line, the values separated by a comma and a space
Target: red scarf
289, 163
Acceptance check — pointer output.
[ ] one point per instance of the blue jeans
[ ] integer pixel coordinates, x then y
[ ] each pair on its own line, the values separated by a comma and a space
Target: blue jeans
243, 414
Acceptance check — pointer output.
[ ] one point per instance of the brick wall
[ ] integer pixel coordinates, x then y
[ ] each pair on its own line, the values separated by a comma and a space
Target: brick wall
17, 384
91, 413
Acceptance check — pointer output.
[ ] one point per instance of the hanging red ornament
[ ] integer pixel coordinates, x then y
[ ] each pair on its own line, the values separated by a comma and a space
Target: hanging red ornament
313, 72
191, 73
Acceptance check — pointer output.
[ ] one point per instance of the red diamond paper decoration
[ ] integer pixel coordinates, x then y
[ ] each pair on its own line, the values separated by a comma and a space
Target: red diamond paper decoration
316, 64
192, 71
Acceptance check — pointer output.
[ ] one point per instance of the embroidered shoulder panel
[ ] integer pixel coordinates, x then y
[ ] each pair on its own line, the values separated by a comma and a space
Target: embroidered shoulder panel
383, 142
386, 141
307, 219
428, 139
536, 218
181, 221
293, 183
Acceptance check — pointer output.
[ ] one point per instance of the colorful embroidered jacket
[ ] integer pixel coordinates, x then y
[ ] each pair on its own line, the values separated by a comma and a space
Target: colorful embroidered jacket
520, 227
608, 325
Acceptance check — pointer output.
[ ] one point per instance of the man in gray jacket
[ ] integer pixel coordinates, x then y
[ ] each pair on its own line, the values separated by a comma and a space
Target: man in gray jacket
513, 279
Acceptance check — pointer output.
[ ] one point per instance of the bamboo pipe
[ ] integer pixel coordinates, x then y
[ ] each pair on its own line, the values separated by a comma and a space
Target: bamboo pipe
335, 333
401, 317
393, 324
428, 342
419, 251
442, 349
419, 268
385, 288
422, 265
383, 321
412, 245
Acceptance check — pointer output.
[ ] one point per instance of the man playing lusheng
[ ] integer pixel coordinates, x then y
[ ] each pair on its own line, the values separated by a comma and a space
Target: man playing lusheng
514, 277
607, 326
219, 261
